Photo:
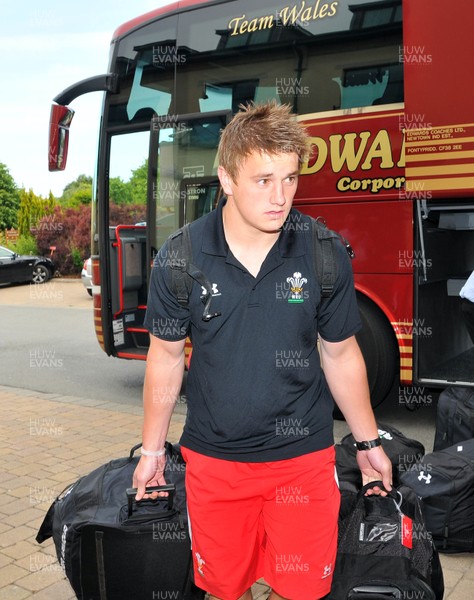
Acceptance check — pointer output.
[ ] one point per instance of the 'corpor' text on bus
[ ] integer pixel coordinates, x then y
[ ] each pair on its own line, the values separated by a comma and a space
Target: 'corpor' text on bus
301, 13
353, 152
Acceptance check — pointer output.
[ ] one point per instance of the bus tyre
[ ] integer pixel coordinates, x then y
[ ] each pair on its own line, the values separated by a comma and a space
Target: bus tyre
379, 349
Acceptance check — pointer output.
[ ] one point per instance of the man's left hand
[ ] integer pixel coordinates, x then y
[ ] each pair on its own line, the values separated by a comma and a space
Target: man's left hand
375, 466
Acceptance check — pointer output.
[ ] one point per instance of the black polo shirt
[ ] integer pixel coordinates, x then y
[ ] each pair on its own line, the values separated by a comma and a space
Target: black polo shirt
255, 388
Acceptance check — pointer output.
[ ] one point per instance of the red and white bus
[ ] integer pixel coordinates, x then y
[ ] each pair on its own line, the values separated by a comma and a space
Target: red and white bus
385, 93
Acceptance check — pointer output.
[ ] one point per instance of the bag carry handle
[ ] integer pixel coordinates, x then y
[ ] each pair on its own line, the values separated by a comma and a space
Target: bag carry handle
169, 487
133, 450
374, 591
368, 486
394, 494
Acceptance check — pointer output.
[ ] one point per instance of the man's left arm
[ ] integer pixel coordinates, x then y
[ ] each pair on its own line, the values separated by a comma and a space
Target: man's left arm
345, 372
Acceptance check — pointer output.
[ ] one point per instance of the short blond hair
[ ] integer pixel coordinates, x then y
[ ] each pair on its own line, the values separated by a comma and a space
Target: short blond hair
268, 128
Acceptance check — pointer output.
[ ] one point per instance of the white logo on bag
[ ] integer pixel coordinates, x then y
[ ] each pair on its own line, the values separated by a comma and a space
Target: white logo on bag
385, 435
63, 547
422, 476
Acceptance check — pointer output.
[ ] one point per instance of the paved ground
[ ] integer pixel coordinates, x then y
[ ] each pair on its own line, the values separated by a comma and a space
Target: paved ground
59, 292
48, 441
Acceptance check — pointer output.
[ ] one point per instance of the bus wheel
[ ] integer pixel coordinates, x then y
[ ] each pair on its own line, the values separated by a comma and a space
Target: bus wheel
379, 348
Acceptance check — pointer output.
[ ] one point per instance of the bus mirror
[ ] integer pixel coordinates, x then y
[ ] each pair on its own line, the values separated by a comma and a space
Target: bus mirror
61, 117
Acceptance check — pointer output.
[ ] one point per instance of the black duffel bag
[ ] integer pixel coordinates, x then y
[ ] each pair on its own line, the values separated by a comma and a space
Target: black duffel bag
454, 417
385, 552
113, 548
402, 451
444, 480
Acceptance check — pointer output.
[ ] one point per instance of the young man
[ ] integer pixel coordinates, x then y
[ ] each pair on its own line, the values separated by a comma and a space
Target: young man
258, 440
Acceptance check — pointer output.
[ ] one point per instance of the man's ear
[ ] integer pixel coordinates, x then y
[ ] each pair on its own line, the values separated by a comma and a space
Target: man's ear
226, 180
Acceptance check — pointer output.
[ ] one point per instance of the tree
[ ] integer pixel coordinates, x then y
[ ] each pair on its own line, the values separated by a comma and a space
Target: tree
9, 199
119, 191
68, 230
128, 214
33, 208
138, 184
78, 192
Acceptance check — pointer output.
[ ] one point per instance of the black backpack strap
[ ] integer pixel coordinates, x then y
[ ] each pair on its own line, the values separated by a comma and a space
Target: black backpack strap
324, 255
183, 272
46, 529
180, 250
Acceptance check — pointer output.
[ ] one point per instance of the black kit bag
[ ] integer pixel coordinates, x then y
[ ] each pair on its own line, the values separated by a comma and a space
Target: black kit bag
402, 451
113, 548
444, 480
454, 417
384, 551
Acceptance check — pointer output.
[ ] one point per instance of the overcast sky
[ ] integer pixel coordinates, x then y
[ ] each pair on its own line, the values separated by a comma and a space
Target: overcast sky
45, 46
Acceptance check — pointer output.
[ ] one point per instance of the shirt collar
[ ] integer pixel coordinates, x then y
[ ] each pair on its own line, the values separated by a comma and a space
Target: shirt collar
292, 237
291, 242
214, 241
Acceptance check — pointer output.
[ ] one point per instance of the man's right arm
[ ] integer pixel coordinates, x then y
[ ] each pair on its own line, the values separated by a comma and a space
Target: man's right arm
163, 380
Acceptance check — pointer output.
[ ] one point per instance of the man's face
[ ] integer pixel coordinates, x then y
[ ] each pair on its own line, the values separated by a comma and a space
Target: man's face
263, 191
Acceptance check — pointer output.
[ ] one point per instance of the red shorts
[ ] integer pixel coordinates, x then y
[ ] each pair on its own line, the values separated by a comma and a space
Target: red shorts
276, 520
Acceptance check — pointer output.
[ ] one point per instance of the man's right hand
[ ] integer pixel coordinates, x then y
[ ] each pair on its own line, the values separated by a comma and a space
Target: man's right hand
149, 473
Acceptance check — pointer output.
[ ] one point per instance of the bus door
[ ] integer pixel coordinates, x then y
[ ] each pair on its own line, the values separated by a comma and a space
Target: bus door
182, 185
124, 258
443, 260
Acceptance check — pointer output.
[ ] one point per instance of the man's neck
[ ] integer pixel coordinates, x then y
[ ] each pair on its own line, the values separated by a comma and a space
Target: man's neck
249, 245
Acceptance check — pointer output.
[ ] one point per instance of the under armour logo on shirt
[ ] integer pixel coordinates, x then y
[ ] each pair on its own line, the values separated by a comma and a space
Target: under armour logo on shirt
215, 291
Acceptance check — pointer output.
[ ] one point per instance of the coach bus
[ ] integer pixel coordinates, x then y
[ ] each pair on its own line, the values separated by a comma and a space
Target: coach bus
383, 89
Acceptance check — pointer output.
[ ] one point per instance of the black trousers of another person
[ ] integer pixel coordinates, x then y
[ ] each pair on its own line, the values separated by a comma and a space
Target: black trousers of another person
467, 308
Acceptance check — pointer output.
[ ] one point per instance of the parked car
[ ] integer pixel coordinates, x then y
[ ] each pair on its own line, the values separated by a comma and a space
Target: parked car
86, 275
15, 268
